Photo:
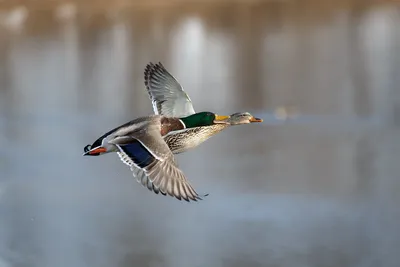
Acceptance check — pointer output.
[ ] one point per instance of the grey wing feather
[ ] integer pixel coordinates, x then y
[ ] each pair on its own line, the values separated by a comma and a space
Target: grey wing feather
166, 94
144, 180
179, 187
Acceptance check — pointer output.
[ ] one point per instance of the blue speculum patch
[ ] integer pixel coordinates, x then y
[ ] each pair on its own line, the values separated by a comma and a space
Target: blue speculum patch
138, 153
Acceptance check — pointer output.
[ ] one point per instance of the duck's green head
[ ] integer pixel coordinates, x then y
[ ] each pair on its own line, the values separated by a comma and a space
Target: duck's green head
205, 118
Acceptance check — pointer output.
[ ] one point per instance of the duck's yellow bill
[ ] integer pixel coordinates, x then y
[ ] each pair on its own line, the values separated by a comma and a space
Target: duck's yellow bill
220, 118
254, 119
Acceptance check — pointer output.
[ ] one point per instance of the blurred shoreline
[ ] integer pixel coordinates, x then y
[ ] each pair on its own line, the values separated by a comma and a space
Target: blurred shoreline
104, 5
27, 15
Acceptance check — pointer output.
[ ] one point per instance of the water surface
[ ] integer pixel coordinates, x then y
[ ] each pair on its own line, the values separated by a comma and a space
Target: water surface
317, 190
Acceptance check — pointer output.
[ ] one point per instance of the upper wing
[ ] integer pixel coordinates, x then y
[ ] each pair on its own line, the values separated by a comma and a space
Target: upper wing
166, 94
155, 168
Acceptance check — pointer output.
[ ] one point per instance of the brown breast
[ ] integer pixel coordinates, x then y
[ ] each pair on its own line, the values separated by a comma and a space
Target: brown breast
170, 124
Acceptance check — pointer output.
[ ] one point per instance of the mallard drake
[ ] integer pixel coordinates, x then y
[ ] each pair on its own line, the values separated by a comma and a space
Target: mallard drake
147, 144
140, 145
169, 99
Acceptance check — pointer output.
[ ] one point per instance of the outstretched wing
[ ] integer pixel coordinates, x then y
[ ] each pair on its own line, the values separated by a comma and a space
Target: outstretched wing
166, 94
155, 168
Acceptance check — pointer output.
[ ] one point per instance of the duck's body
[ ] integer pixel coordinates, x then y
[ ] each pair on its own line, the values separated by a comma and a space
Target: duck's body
140, 145
148, 144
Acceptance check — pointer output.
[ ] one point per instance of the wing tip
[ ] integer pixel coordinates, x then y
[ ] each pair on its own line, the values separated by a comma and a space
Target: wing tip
180, 197
195, 198
150, 69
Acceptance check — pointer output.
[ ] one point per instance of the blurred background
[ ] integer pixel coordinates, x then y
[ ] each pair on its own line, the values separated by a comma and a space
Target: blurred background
319, 189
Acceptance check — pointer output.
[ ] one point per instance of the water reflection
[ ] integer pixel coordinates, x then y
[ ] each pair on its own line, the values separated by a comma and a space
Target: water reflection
316, 190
